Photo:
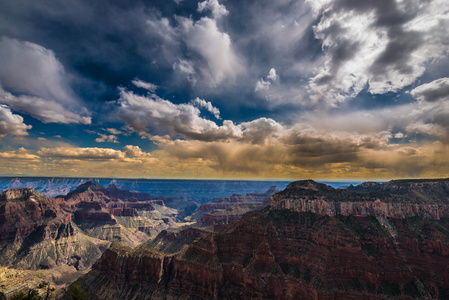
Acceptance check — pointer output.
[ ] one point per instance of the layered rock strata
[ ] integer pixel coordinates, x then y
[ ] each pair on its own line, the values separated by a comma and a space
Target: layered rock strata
296, 248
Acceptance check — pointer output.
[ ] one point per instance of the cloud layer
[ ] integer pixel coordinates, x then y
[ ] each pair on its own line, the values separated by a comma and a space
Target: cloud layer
382, 46
247, 89
37, 84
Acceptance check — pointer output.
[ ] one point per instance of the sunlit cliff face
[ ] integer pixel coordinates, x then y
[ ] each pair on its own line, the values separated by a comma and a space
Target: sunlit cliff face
224, 89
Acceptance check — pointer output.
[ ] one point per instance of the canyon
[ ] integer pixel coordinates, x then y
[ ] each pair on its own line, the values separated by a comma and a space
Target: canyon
310, 242
70, 232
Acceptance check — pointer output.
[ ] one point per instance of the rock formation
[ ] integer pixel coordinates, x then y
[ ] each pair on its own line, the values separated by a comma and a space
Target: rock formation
299, 247
35, 232
228, 209
371, 199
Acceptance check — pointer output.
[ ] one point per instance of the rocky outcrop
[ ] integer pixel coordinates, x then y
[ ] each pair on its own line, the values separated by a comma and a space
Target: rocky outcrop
36, 233
95, 217
296, 248
393, 202
228, 209
24, 211
281, 254
117, 215
231, 214
432, 191
174, 240
371, 208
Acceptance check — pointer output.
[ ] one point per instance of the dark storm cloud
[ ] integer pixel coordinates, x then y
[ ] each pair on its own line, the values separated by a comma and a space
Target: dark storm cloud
388, 11
398, 53
177, 46
256, 86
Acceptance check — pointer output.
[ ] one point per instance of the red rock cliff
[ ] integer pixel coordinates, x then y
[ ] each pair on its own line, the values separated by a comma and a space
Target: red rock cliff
285, 252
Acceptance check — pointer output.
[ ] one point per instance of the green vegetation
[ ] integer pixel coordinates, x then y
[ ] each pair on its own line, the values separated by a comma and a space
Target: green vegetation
77, 293
291, 270
408, 181
31, 295
307, 276
282, 216
362, 225
390, 288
410, 289
356, 285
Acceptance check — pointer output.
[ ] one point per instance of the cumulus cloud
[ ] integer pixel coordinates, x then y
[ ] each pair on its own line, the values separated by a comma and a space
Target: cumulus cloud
427, 128
19, 154
37, 84
272, 75
262, 84
437, 90
81, 153
399, 135
106, 138
42, 109
288, 152
145, 85
11, 124
114, 131
134, 151
214, 56
142, 113
261, 130
208, 106
291, 150
381, 46
218, 10
186, 68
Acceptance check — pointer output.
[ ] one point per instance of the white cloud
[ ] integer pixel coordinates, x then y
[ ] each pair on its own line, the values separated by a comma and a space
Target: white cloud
42, 109
437, 90
427, 128
145, 85
216, 59
177, 119
260, 130
272, 75
399, 135
114, 131
218, 10
186, 68
104, 138
383, 48
20, 154
208, 106
81, 153
154, 114
134, 151
36, 83
11, 124
262, 84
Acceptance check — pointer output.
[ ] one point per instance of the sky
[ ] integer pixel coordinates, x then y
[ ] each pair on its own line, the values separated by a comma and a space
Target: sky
255, 89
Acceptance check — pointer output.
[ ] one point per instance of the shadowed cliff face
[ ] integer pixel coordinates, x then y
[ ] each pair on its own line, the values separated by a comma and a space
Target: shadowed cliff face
290, 253
38, 232
225, 210
35, 232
